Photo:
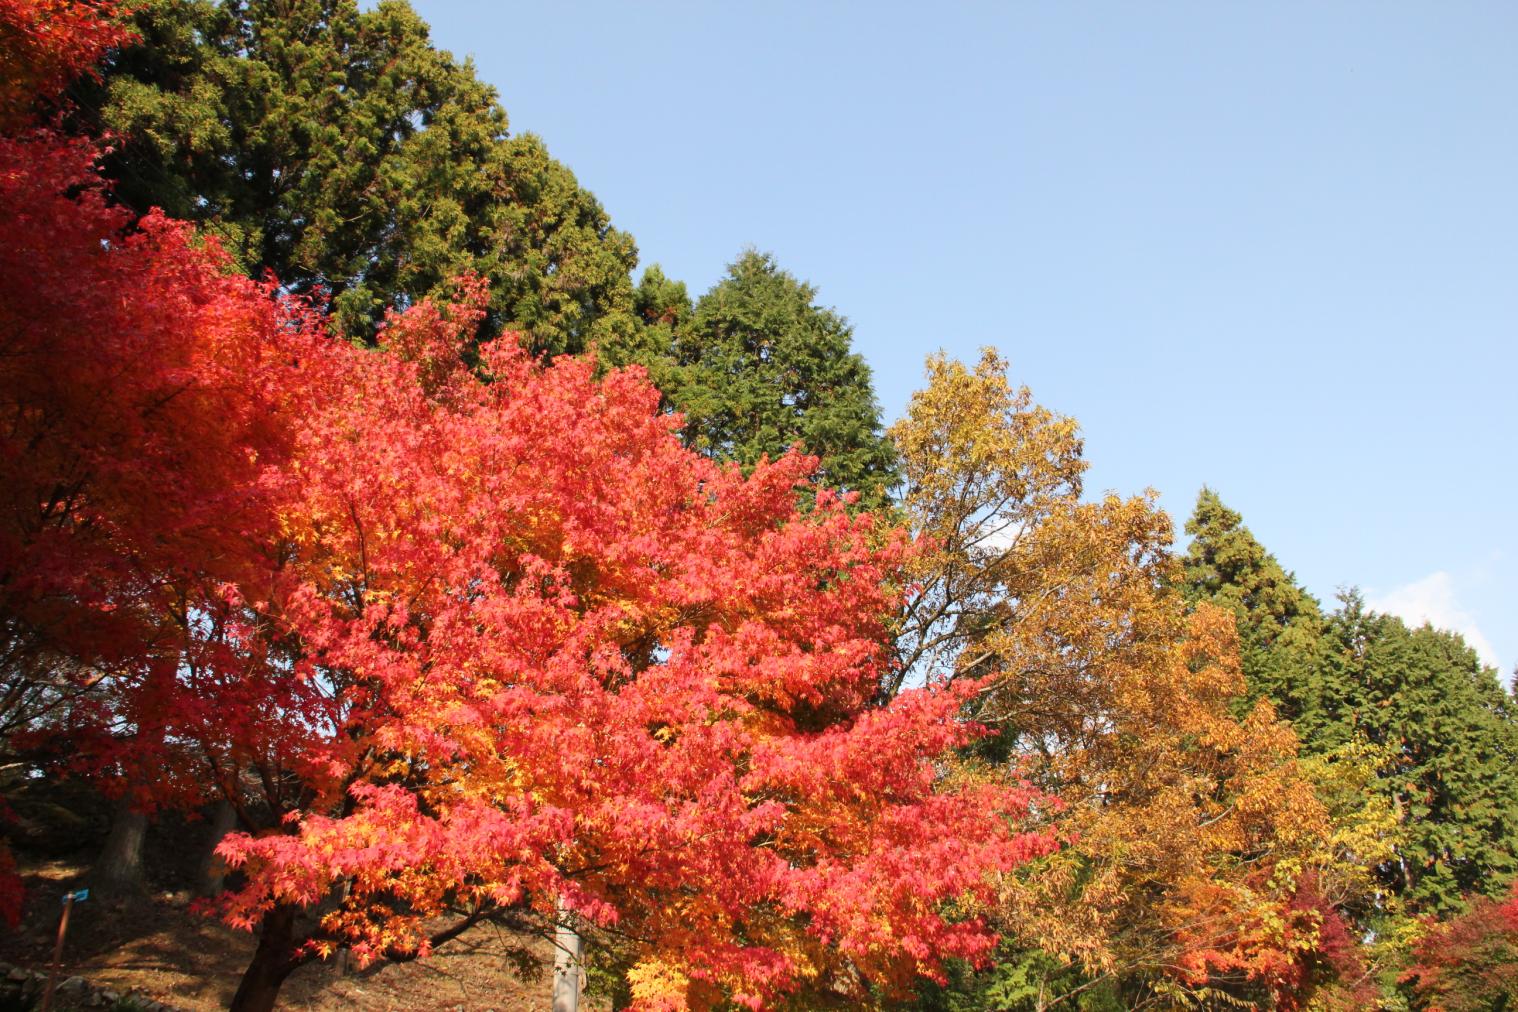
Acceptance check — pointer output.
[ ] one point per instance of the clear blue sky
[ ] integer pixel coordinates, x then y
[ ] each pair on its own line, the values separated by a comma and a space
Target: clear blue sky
1271, 247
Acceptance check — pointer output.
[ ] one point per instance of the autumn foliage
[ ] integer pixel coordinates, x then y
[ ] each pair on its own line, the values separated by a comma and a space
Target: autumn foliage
603, 670
1197, 841
48, 43
1471, 961
483, 636
462, 633
146, 394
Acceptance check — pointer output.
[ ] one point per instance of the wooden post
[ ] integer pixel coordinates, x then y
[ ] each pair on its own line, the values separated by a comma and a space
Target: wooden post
63, 927
569, 947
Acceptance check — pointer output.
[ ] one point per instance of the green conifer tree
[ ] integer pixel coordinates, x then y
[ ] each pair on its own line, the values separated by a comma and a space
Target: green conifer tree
1444, 723
760, 366
1447, 724
1280, 624
340, 149
662, 310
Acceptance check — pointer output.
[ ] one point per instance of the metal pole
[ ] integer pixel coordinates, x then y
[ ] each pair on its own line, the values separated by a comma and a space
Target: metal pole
52, 976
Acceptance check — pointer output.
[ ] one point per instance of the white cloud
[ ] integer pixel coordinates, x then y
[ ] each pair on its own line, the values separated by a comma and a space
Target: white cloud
1432, 599
997, 534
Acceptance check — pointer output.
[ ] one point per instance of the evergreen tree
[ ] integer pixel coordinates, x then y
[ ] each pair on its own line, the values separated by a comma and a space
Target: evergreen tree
760, 366
1280, 625
1421, 697
1447, 724
341, 150
662, 309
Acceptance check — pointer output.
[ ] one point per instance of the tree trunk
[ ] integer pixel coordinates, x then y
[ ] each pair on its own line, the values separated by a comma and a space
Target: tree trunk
569, 947
213, 870
118, 870
272, 962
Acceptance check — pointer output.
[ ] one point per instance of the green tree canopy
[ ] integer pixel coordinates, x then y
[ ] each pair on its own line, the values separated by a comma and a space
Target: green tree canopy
344, 152
756, 365
662, 310
1447, 724
1280, 625
1443, 722
341, 150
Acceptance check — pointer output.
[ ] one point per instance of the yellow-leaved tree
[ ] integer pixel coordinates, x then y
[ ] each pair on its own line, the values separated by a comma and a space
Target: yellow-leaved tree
1204, 862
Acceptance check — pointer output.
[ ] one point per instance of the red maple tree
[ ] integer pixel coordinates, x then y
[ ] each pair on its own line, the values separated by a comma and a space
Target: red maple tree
1469, 962
458, 639
484, 637
555, 658
145, 393
48, 43
481, 638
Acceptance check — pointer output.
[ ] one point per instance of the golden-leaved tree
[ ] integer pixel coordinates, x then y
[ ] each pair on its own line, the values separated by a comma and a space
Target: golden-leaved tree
1204, 860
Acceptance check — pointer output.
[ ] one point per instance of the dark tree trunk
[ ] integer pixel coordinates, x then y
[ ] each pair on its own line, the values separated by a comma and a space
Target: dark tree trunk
213, 870
273, 961
118, 870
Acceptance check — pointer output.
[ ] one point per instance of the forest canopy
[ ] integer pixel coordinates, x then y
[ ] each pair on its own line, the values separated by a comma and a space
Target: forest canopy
356, 489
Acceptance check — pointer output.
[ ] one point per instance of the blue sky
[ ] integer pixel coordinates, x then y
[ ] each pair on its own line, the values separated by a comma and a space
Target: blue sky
1271, 247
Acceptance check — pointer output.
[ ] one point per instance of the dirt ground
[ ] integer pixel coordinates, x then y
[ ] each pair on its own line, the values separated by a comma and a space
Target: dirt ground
157, 948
